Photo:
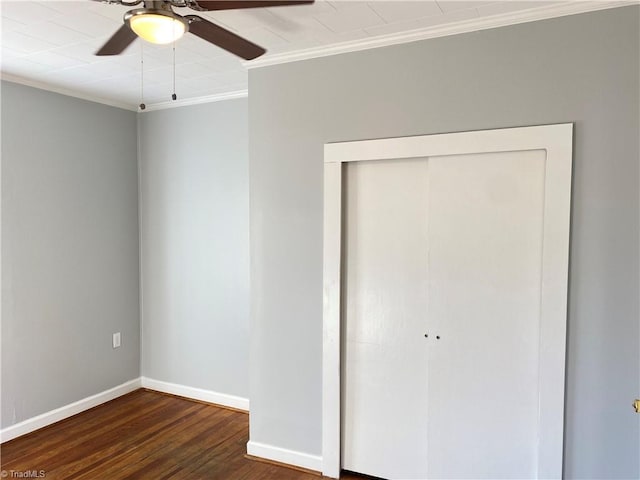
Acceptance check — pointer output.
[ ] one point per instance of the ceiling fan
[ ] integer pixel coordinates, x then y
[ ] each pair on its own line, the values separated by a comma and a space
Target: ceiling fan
158, 23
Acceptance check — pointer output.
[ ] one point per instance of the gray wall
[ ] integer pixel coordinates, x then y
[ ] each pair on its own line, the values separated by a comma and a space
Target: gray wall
69, 250
581, 69
194, 209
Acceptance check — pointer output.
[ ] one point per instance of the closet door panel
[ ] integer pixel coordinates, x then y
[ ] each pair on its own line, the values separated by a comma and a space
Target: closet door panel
385, 272
485, 258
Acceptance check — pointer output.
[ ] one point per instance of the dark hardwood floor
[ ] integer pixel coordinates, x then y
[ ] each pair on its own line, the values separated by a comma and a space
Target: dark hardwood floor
144, 435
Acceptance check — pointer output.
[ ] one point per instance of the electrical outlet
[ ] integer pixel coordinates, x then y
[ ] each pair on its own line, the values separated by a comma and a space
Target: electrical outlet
116, 340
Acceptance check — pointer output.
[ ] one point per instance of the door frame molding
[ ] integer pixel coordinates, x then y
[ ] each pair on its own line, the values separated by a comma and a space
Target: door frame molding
557, 140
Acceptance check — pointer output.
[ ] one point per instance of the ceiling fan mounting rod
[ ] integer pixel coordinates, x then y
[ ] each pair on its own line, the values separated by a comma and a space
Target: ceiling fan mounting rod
192, 4
157, 5
122, 2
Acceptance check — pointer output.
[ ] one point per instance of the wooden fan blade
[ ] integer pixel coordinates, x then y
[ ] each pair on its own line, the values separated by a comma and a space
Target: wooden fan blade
118, 42
223, 38
233, 4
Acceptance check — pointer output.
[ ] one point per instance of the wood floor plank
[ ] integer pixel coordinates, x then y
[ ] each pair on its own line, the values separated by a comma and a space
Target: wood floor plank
145, 435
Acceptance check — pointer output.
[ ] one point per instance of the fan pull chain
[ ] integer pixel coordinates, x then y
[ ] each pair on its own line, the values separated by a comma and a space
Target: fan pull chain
142, 105
174, 96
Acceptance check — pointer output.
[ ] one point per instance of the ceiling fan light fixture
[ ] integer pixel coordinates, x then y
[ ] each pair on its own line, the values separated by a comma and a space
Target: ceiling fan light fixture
157, 26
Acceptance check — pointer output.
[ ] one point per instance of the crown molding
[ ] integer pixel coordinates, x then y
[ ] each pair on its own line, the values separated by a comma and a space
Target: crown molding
125, 106
195, 101
466, 26
65, 91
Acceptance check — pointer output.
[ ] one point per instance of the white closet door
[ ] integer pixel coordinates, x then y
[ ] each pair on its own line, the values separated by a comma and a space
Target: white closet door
385, 284
485, 257
450, 247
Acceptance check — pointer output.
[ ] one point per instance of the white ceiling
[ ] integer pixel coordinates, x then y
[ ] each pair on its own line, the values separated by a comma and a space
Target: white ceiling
51, 43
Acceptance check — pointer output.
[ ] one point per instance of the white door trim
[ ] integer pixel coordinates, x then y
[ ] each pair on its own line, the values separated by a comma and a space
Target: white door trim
557, 140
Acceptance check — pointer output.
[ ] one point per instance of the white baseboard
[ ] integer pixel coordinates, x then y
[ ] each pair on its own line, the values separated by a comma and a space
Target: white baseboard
53, 416
196, 393
283, 455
